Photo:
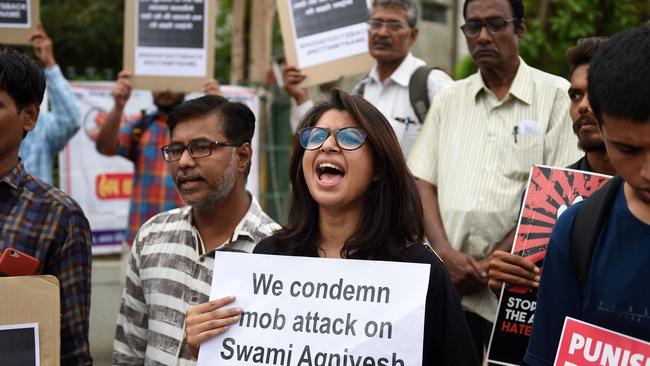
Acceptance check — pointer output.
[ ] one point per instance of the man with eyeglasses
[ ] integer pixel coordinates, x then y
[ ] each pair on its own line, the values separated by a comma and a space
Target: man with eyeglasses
481, 138
392, 30
170, 267
515, 269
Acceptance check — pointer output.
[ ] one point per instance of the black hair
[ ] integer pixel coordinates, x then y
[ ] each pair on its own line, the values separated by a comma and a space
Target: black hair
583, 51
21, 78
518, 11
619, 77
391, 218
238, 121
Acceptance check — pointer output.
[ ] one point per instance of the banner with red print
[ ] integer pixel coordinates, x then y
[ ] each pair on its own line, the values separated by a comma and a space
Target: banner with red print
102, 184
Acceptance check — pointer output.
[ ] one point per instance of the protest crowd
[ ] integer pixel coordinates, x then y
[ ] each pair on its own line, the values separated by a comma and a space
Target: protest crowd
470, 221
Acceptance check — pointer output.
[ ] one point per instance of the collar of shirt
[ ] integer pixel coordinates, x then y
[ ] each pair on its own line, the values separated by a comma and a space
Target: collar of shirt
519, 89
401, 75
15, 177
582, 164
242, 230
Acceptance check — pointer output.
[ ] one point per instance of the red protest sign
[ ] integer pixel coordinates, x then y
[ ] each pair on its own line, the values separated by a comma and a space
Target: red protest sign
585, 344
549, 193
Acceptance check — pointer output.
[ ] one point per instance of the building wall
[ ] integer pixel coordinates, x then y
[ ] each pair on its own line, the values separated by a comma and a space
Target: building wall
437, 31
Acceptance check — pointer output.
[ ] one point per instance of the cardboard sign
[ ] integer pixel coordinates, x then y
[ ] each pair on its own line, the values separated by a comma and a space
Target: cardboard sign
549, 193
585, 344
170, 44
29, 300
102, 184
18, 20
314, 311
327, 39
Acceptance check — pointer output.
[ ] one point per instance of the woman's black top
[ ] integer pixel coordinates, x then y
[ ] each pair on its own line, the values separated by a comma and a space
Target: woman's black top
447, 340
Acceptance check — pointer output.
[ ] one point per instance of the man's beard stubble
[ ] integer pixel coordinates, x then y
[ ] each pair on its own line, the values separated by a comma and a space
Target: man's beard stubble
167, 107
220, 192
587, 143
591, 145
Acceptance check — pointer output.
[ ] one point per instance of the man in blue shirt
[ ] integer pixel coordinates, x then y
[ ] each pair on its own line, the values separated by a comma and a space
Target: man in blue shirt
615, 294
53, 129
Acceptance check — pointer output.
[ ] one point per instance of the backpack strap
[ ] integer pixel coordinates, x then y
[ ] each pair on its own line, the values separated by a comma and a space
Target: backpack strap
589, 223
360, 88
136, 133
419, 91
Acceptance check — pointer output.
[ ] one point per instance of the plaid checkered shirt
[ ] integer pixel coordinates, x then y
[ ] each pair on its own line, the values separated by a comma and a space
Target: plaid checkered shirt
153, 186
45, 223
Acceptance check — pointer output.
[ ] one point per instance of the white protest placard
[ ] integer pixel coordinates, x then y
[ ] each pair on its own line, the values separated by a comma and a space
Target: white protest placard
301, 311
18, 20
15, 14
329, 30
318, 34
169, 39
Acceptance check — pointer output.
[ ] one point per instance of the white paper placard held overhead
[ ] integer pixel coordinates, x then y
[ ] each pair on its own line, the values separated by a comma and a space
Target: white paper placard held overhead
170, 44
18, 20
329, 30
305, 311
327, 39
15, 14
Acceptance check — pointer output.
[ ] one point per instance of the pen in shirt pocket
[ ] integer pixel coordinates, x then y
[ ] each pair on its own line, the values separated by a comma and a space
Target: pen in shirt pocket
407, 121
515, 132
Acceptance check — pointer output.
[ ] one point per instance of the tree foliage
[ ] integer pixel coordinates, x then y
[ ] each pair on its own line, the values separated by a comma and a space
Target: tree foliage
87, 35
548, 37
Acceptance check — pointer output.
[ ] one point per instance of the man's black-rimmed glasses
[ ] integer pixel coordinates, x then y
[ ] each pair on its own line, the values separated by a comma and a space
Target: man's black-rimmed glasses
196, 149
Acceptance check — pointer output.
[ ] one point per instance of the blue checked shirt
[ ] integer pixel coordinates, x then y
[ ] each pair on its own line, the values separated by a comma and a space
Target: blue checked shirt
45, 223
53, 129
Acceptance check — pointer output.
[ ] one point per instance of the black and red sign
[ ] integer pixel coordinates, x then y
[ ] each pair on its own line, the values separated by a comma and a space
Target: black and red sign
549, 193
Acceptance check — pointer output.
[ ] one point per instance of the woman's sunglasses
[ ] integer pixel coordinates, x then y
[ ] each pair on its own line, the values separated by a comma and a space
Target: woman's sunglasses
348, 138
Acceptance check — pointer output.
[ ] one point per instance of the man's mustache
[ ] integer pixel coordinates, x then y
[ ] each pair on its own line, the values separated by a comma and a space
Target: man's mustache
584, 120
484, 49
381, 42
188, 176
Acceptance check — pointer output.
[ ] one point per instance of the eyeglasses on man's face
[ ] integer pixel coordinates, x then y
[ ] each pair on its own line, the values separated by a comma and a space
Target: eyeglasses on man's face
196, 149
494, 25
375, 25
348, 138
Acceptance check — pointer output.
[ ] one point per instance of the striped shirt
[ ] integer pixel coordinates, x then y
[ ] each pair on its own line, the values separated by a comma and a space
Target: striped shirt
153, 186
53, 129
478, 151
169, 270
42, 221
